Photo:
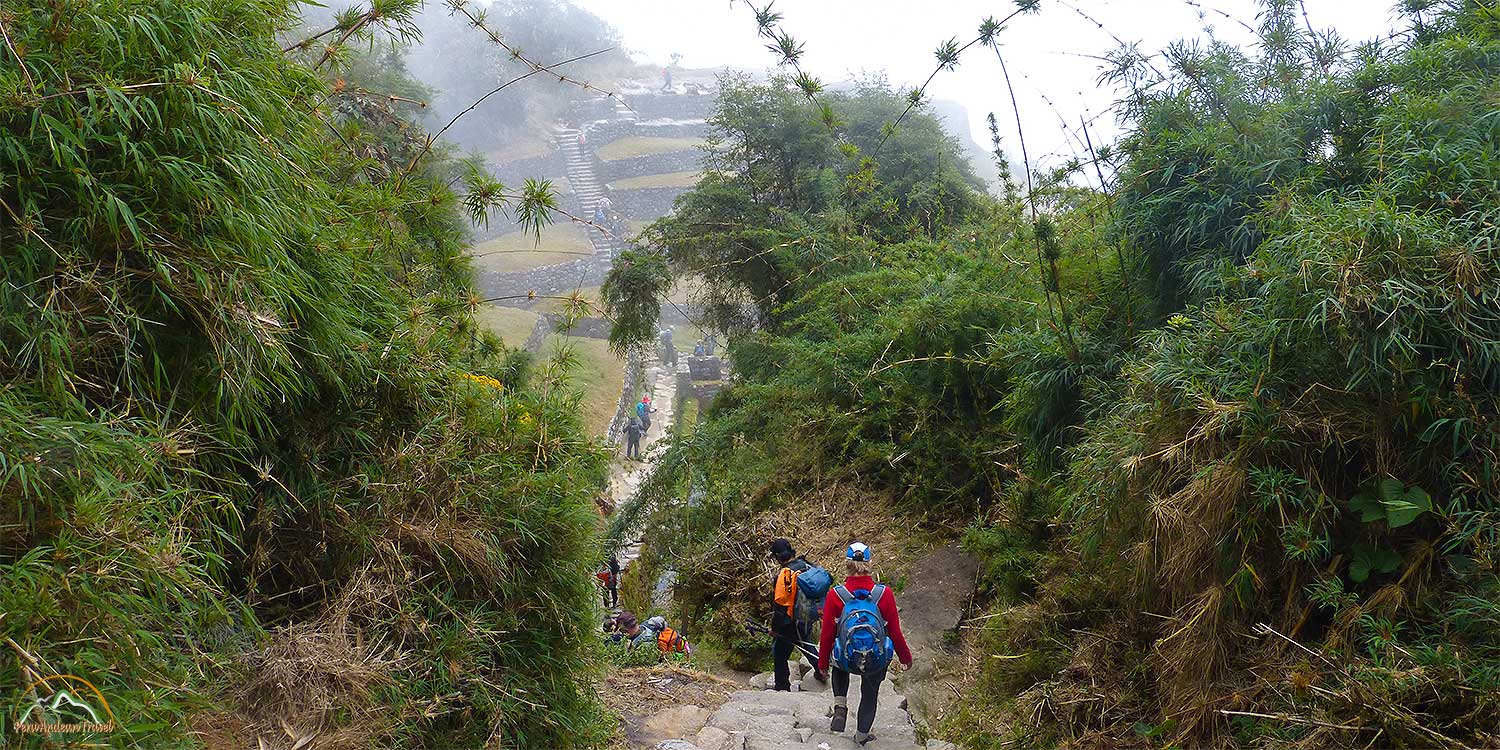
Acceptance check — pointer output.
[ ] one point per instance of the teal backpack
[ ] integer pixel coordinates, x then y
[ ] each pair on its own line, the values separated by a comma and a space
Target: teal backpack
862, 646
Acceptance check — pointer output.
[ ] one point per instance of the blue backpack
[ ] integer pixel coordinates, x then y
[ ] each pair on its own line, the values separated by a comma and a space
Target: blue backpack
813, 583
862, 647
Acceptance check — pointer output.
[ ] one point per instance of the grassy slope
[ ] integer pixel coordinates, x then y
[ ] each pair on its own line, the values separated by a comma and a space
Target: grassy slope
513, 325
520, 251
627, 148
597, 378
670, 179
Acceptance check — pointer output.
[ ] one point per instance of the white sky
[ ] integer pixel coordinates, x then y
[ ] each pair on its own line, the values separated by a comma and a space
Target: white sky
845, 37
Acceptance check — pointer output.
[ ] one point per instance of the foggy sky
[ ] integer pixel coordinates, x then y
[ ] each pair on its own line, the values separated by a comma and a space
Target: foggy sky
1045, 51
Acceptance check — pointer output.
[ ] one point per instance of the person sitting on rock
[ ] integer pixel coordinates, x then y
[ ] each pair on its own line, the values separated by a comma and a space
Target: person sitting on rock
861, 629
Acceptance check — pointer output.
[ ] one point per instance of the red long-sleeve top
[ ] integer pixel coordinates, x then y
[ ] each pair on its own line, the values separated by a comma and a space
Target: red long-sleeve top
833, 606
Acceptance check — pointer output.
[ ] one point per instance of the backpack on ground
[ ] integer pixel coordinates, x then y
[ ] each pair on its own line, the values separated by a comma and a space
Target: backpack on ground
813, 583
862, 646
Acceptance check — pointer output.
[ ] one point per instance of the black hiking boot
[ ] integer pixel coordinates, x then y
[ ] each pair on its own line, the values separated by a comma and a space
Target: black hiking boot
861, 738
840, 716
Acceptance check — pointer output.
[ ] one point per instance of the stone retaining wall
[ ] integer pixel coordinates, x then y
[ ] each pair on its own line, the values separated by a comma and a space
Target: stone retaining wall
674, 105
626, 405
599, 133
553, 280
645, 203
640, 166
672, 129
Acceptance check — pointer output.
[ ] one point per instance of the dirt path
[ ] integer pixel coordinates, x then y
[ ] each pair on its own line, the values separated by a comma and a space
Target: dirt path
932, 606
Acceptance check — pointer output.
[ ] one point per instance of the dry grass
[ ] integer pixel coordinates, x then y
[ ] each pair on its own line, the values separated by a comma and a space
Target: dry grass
513, 325
627, 148
310, 674
599, 376
668, 180
519, 251
636, 693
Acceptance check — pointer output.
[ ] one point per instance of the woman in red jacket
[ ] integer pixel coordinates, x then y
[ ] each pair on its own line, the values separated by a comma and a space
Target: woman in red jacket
857, 563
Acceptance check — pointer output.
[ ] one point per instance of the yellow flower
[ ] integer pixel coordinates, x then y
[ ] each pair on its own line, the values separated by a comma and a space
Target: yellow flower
483, 380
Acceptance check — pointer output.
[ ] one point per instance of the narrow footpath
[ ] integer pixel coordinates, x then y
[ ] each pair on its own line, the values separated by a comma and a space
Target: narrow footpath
659, 380
744, 715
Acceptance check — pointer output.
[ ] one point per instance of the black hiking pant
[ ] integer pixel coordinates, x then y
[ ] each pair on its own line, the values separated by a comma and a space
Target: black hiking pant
783, 649
869, 695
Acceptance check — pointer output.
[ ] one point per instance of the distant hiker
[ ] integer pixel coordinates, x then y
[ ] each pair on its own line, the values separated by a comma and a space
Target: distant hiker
666, 77
861, 633
643, 412
610, 578
605, 205
698, 348
711, 344
581, 140
668, 351
798, 593
633, 433
668, 641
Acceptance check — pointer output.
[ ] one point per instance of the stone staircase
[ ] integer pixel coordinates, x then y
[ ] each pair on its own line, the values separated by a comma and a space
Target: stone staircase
587, 191
759, 719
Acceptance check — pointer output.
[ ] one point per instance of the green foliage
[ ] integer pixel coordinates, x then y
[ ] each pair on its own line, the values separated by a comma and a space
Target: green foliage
256, 459
1231, 434
781, 188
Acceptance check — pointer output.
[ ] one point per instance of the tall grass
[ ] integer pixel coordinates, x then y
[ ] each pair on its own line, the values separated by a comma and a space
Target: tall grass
245, 486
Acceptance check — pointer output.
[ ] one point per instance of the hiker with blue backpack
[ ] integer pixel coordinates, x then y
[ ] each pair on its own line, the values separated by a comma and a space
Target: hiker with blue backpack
798, 594
861, 635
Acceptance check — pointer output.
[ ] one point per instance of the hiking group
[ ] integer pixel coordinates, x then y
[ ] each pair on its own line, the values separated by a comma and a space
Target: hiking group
860, 629
625, 629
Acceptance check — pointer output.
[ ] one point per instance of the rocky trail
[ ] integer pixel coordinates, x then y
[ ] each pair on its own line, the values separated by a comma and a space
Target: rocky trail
660, 381
684, 709
760, 719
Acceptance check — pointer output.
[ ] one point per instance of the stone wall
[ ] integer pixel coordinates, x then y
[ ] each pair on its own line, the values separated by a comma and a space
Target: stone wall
599, 133
676, 105
555, 280
597, 108
672, 129
626, 405
645, 204
640, 166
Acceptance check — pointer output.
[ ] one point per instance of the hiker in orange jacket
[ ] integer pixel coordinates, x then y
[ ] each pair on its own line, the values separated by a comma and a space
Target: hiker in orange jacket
786, 634
858, 590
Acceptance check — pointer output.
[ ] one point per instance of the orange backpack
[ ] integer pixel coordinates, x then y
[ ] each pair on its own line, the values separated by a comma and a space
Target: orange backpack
670, 642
